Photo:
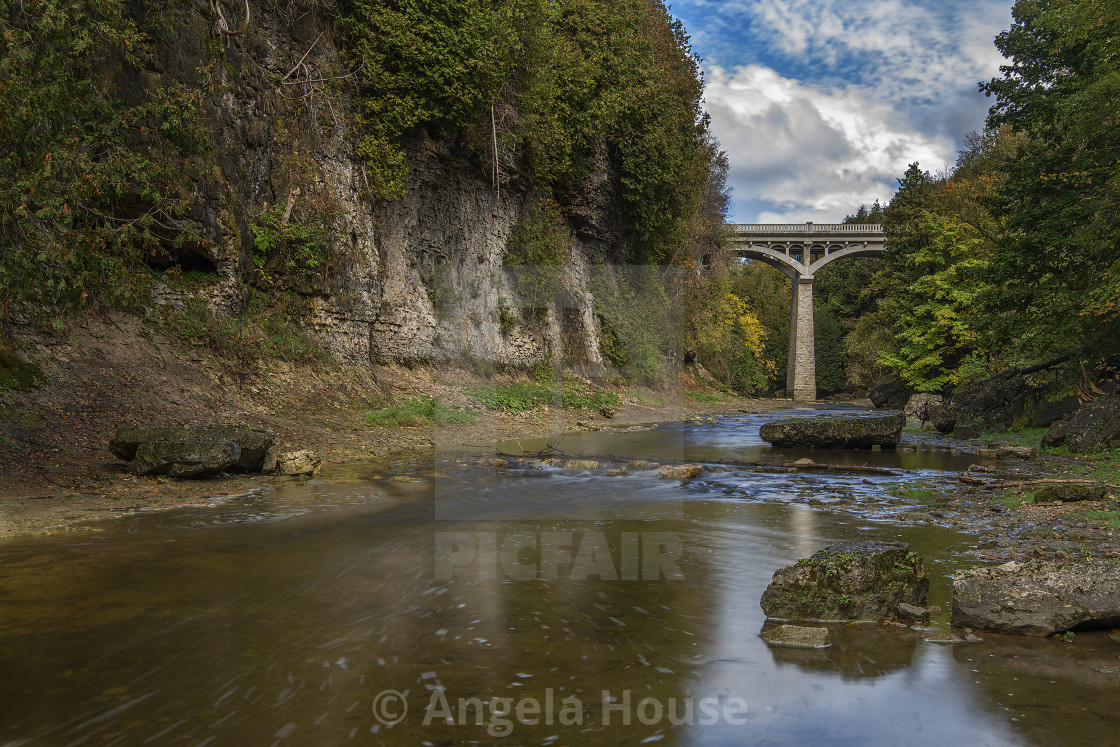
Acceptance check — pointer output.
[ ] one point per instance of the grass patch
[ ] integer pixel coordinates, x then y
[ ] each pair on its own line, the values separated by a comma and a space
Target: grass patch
1102, 465
1108, 519
705, 396
1013, 499
1019, 436
532, 394
419, 411
647, 399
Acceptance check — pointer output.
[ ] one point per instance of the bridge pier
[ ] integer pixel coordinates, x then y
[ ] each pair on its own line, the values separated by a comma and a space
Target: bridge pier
801, 371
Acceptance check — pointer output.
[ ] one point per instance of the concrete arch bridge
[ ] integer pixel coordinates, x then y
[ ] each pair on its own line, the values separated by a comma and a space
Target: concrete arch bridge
799, 250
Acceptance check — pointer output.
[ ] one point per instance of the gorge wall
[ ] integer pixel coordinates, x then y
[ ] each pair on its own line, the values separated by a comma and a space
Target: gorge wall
415, 279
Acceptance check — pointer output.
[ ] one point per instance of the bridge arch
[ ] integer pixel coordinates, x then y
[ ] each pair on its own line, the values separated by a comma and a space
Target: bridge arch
799, 250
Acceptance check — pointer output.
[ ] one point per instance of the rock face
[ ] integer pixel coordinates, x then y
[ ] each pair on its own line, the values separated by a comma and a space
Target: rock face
1038, 597
836, 433
998, 403
420, 278
863, 581
918, 406
1048, 411
892, 395
796, 636
190, 451
1095, 426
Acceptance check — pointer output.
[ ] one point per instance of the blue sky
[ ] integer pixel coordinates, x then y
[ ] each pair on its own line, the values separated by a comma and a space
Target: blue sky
822, 104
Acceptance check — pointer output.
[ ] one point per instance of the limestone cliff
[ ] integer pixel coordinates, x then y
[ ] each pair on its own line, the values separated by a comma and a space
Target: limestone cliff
416, 279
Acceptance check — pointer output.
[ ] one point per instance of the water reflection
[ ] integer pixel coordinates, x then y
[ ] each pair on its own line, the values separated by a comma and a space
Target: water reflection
279, 618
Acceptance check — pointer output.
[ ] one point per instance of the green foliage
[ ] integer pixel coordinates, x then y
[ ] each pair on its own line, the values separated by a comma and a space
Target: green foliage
642, 325
1056, 280
90, 168
575, 85
864, 347
767, 292
530, 395
419, 411
433, 63
615, 80
441, 293
829, 339
611, 345
507, 318
730, 340
266, 329
289, 247
935, 326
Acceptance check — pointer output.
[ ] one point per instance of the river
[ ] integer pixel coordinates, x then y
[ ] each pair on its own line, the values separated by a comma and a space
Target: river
436, 601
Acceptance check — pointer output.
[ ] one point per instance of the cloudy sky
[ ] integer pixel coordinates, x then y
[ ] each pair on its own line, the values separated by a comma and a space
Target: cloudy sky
822, 104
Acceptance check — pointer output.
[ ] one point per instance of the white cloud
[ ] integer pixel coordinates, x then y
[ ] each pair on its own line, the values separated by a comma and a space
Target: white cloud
822, 104
820, 153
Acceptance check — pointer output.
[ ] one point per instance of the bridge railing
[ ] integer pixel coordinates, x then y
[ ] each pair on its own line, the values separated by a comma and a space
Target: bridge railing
806, 227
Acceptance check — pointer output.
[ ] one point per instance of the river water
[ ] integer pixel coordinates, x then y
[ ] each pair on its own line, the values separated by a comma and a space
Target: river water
435, 601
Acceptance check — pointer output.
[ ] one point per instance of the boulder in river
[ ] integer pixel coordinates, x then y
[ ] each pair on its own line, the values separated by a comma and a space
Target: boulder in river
844, 432
1038, 597
680, 471
861, 581
190, 451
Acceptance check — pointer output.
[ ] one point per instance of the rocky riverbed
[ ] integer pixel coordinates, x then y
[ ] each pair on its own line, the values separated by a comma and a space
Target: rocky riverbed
58, 474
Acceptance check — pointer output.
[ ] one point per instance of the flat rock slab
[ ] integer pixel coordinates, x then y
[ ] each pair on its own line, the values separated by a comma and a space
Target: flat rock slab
190, 451
1069, 492
1038, 597
860, 581
796, 636
845, 432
